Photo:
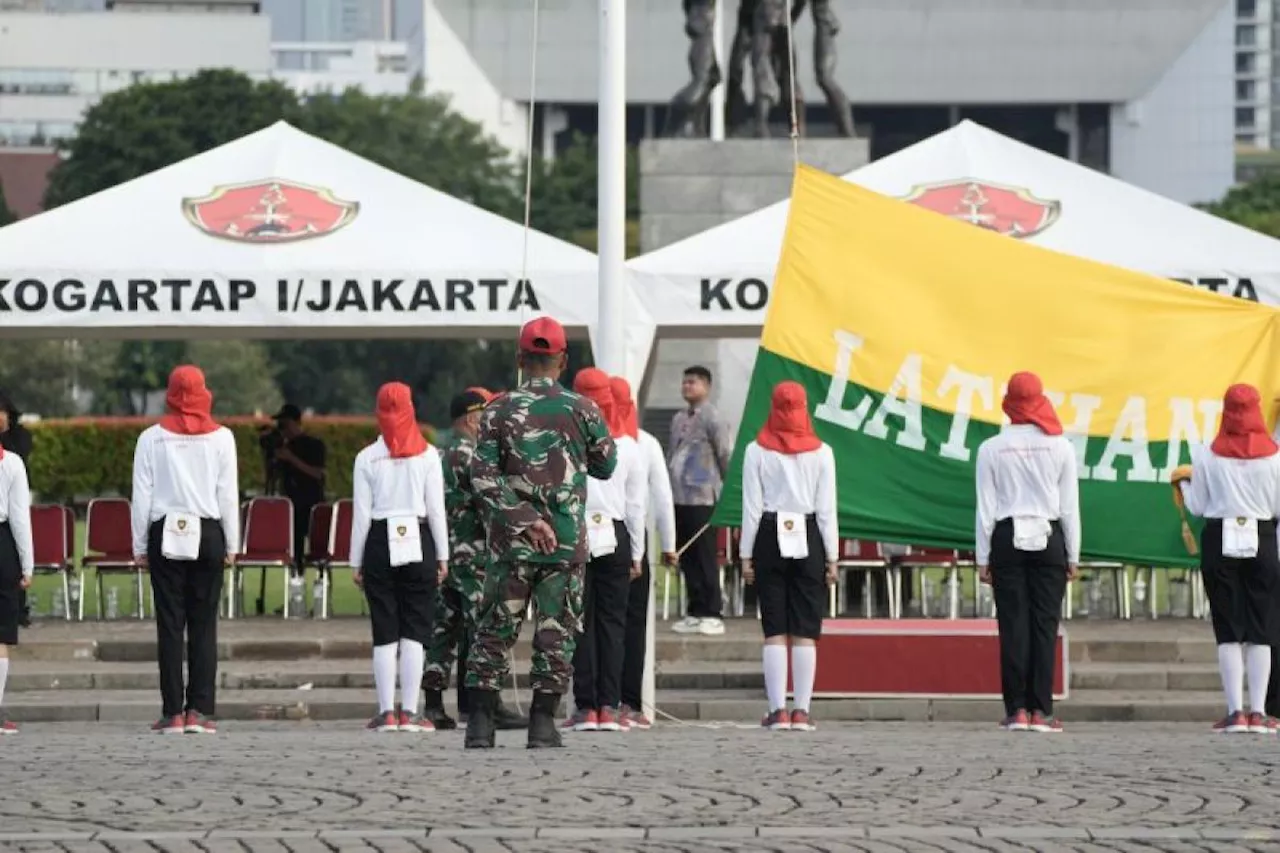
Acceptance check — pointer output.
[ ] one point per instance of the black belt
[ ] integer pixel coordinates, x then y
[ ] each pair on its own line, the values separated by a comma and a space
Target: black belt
770, 515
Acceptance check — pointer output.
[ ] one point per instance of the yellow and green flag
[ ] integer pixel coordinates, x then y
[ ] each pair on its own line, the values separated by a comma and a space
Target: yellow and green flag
904, 327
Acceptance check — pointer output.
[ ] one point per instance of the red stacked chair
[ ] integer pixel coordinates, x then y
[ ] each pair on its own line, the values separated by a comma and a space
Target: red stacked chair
109, 547
53, 543
268, 544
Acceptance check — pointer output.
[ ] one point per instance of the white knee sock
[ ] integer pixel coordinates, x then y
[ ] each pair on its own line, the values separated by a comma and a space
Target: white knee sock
384, 676
804, 665
1231, 666
4, 676
775, 676
413, 658
1258, 660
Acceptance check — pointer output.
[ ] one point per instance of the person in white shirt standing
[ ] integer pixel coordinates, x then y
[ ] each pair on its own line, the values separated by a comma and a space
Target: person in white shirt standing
615, 540
16, 562
1234, 485
399, 553
186, 529
1027, 545
789, 544
661, 513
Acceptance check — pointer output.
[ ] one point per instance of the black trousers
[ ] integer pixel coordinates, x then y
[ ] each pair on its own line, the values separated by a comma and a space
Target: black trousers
301, 527
637, 634
187, 594
698, 562
1028, 589
597, 661
10, 587
402, 599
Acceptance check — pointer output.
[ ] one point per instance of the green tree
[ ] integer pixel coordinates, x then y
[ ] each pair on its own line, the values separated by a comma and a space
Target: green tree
41, 376
148, 126
565, 195
6, 215
239, 375
1254, 205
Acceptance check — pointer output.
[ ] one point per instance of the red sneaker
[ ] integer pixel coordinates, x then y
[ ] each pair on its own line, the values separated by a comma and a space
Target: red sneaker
1044, 725
1260, 724
8, 727
607, 720
198, 724
174, 725
1016, 722
636, 720
387, 721
800, 721
777, 721
581, 721
415, 723
1233, 723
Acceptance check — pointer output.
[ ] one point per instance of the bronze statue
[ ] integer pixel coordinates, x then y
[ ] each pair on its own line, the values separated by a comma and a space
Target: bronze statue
826, 26
770, 64
690, 107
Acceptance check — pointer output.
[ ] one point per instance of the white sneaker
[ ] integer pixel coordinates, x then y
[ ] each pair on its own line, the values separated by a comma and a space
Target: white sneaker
687, 625
711, 627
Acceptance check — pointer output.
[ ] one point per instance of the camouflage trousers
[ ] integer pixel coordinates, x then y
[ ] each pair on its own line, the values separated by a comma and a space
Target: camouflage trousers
457, 606
555, 590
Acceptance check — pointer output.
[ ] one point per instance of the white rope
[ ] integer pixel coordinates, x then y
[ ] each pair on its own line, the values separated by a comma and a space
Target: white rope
791, 93
528, 164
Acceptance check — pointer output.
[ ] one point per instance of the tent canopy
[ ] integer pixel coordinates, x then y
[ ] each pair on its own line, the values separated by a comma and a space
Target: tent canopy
714, 283
280, 234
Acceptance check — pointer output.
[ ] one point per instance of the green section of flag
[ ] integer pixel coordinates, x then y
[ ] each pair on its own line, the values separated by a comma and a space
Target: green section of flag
889, 493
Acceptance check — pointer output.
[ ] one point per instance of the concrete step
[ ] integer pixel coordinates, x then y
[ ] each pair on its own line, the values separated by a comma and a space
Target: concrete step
725, 706
41, 676
1145, 676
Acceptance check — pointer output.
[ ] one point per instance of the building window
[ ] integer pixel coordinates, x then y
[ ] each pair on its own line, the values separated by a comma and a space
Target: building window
1247, 9
1246, 35
1246, 91
1244, 118
1246, 63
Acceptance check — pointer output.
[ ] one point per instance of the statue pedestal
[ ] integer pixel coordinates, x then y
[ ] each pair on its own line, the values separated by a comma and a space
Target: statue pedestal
690, 185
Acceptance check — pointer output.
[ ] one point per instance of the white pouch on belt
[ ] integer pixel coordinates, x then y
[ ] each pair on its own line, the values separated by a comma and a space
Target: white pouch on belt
602, 539
793, 536
180, 539
1031, 533
404, 541
1240, 538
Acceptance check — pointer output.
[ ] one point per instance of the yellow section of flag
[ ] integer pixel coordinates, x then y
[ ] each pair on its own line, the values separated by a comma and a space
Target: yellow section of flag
924, 297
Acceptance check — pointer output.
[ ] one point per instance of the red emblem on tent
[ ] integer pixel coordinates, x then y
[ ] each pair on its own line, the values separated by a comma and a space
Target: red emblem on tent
272, 210
1013, 211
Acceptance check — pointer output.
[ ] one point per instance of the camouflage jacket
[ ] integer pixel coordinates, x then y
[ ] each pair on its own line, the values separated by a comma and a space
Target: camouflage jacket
466, 527
536, 447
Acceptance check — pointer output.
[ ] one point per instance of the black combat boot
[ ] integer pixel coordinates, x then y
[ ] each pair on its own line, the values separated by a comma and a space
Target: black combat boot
480, 731
543, 733
508, 720
433, 710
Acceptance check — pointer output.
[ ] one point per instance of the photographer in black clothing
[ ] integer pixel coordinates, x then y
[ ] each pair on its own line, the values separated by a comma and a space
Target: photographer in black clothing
16, 439
295, 462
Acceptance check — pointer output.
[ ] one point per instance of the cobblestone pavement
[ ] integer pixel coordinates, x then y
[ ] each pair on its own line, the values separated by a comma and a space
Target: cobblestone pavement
299, 788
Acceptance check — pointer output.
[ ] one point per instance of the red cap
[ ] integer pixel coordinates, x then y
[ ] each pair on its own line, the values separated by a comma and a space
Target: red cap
543, 336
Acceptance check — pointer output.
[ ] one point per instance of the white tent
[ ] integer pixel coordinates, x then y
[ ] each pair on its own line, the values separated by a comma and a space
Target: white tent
715, 284
280, 234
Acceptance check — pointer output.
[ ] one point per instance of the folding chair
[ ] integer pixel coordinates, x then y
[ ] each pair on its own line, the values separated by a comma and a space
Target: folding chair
968, 561
340, 538
922, 558
1119, 580
268, 544
732, 585
52, 545
318, 552
859, 554
109, 535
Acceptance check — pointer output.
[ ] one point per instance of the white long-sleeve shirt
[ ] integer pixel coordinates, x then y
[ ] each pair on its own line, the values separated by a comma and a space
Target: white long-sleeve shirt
409, 487
662, 510
1024, 473
622, 497
15, 508
192, 474
789, 482
1233, 488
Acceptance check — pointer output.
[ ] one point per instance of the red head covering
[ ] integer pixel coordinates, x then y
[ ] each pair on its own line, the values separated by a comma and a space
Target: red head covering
593, 383
397, 421
1242, 433
188, 404
483, 392
1025, 403
627, 417
788, 429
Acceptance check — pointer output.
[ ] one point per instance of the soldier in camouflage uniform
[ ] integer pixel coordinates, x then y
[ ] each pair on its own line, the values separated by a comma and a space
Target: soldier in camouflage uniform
536, 447
458, 599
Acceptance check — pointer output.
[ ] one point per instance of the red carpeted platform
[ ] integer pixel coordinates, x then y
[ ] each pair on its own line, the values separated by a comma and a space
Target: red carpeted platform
943, 658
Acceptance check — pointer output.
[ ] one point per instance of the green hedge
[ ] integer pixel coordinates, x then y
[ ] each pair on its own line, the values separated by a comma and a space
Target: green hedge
81, 458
